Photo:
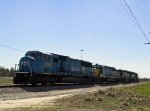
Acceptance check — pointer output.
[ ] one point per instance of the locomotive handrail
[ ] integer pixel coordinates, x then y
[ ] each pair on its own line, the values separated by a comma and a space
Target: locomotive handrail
30, 69
22, 72
34, 68
16, 67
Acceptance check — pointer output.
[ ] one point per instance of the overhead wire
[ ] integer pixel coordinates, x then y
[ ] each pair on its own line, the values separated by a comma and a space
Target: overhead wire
136, 21
16, 49
127, 10
141, 13
145, 8
118, 7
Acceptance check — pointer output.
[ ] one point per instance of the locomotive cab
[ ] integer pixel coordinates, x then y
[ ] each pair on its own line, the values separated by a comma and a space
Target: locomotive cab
26, 70
26, 64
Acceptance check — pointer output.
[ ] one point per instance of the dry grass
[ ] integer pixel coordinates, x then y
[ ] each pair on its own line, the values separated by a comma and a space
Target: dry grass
111, 99
121, 99
6, 80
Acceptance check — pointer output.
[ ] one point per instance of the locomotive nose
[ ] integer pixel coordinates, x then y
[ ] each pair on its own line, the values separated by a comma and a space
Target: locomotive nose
26, 64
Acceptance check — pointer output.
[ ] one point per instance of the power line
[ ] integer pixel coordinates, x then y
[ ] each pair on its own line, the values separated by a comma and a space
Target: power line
11, 48
136, 21
146, 43
142, 14
127, 10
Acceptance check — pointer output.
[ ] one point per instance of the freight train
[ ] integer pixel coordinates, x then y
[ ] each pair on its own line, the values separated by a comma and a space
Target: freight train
37, 67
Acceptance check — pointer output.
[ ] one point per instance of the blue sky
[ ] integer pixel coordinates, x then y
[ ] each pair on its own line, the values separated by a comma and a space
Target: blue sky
104, 29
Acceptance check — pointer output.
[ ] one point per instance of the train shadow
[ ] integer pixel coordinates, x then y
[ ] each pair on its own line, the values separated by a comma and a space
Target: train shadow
58, 87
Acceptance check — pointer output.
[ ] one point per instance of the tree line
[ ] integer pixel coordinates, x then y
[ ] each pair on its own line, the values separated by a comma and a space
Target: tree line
6, 72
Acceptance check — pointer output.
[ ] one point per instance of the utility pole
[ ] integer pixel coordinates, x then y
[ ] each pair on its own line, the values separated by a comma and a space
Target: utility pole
81, 54
81, 61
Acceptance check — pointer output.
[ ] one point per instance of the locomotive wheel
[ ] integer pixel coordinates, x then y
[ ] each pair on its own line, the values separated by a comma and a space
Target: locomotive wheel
34, 83
44, 83
25, 84
74, 83
52, 83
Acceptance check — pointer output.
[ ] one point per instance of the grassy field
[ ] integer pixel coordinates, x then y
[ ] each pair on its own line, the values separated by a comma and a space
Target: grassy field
129, 98
6, 80
140, 89
135, 98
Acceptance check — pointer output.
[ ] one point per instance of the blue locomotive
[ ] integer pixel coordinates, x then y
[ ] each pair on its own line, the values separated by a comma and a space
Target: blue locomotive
37, 67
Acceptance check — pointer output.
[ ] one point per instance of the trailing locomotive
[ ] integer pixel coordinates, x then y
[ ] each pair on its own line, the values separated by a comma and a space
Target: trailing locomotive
111, 74
37, 67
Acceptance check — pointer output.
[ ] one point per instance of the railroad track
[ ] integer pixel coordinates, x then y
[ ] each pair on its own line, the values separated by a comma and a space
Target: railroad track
59, 85
10, 86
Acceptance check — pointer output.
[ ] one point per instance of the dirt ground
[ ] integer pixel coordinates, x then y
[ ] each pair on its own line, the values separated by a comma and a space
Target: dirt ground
42, 99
